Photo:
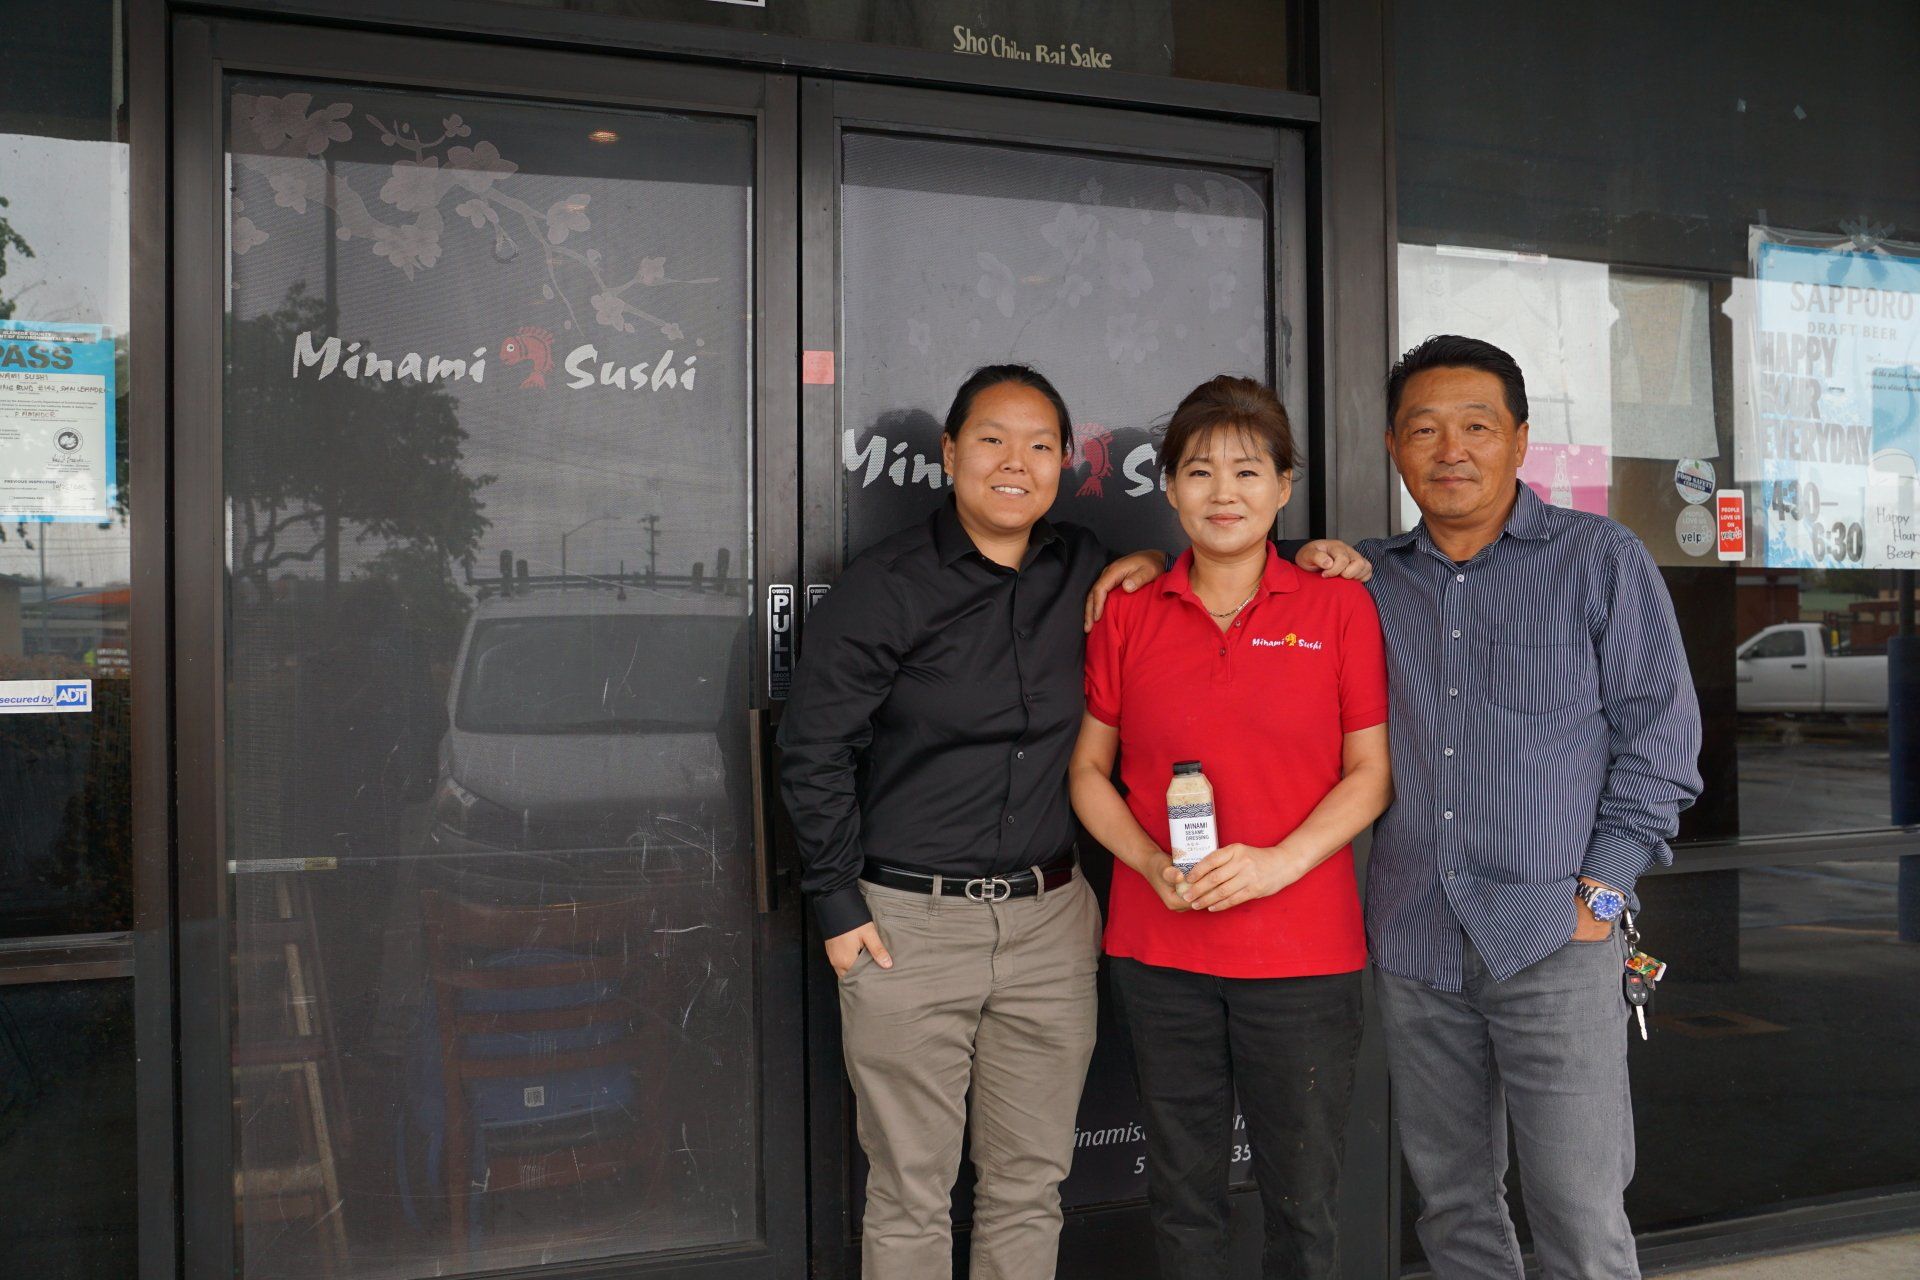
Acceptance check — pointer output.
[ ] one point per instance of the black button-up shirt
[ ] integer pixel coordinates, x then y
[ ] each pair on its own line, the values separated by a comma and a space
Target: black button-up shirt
936, 703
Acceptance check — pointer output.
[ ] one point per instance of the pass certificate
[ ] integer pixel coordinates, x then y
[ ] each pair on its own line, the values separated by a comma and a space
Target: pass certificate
56, 421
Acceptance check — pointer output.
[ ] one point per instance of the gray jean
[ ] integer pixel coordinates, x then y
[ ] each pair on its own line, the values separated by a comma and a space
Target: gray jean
1547, 1050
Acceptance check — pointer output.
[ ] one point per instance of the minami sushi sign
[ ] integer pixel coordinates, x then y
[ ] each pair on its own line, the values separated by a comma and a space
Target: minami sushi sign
528, 352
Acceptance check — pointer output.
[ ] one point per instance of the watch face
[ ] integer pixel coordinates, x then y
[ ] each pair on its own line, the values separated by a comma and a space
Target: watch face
1606, 904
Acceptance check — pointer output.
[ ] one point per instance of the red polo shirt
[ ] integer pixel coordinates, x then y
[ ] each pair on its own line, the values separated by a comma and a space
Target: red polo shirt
1264, 707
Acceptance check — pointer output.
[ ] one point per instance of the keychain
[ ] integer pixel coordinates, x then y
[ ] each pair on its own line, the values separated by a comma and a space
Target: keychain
1641, 976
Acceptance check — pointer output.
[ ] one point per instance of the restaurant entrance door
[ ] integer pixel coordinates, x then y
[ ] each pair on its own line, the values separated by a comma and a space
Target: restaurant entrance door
523, 400
1129, 257
480, 362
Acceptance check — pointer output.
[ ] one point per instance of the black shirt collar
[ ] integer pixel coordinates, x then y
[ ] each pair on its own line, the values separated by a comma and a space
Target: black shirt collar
952, 543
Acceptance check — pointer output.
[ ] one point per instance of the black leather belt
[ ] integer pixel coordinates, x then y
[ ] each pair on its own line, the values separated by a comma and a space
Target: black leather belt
1021, 884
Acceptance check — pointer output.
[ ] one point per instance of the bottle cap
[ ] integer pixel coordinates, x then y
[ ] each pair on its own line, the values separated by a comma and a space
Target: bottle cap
1187, 766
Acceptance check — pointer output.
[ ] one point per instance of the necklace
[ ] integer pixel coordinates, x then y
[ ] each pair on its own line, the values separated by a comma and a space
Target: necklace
1237, 608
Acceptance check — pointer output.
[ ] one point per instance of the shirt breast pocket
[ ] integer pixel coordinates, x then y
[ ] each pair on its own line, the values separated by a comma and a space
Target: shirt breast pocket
1534, 667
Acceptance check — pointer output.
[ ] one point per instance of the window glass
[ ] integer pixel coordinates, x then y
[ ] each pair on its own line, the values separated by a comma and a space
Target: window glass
1666, 218
67, 1129
1683, 252
1780, 644
65, 717
1127, 282
488, 440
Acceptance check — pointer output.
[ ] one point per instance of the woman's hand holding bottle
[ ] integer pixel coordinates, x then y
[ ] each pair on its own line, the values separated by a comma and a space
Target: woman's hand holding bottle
1238, 873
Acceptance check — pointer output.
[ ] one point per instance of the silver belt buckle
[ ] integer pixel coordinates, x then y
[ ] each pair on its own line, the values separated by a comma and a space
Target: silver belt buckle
989, 889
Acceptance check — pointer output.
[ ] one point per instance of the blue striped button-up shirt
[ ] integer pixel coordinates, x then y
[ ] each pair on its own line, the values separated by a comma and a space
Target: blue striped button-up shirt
1543, 727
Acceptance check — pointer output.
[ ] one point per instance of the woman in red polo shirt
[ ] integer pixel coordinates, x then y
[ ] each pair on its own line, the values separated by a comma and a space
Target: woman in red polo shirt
1245, 974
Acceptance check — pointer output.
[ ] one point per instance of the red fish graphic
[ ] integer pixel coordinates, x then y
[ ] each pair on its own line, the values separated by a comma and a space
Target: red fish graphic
1094, 444
531, 344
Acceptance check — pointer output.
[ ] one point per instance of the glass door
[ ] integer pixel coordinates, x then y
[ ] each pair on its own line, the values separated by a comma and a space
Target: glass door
483, 967
1128, 257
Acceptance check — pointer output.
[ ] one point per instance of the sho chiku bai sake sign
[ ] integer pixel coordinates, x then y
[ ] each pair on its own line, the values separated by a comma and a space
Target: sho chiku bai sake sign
56, 421
1834, 384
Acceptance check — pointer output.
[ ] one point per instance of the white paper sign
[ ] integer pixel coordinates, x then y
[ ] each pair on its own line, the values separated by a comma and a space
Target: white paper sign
56, 421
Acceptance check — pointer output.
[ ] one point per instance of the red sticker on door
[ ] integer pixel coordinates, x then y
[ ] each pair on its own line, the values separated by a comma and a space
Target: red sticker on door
1730, 508
816, 368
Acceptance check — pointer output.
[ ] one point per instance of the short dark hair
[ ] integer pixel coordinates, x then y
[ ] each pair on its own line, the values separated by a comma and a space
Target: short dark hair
994, 375
1227, 401
1451, 351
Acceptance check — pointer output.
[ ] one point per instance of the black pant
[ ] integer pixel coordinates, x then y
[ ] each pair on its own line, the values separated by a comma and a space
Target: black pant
1287, 1046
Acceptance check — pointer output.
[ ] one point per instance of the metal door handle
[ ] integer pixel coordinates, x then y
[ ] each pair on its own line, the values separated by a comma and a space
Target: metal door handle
763, 841
1799, 666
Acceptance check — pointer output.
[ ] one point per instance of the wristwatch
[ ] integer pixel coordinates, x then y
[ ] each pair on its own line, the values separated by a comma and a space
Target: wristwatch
1605, 903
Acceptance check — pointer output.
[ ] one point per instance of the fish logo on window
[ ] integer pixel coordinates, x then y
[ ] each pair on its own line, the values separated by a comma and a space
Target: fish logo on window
533, 346
1095, 446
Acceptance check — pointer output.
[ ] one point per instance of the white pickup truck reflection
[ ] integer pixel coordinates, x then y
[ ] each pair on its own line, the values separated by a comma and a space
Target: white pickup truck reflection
1791, 667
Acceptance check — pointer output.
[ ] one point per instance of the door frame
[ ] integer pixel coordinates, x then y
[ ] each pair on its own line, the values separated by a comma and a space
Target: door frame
206, 50
1113, 1235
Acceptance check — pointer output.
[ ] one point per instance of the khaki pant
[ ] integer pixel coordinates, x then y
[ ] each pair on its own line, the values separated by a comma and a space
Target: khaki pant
996, 999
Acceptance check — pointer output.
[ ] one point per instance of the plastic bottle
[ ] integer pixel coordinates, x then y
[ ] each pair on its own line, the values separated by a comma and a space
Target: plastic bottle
1190, 823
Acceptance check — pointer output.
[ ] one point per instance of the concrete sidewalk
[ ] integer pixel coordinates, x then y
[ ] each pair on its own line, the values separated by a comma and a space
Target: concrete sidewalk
1891, 1258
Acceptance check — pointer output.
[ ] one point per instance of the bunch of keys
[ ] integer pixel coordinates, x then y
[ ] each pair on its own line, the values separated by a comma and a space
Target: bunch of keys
1642, 976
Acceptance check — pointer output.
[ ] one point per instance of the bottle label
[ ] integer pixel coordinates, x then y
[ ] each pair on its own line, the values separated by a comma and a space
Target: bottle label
1193, 832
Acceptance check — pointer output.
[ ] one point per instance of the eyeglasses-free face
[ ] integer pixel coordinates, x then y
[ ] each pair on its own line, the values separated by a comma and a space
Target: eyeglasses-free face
1227, 492
1456, 445
1006, 460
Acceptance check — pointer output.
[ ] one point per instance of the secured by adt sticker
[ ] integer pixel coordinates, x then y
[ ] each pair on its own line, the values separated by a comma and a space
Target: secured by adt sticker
45, 697
1693, 478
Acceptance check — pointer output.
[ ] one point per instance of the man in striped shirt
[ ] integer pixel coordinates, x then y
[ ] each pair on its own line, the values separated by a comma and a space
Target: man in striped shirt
1544, 734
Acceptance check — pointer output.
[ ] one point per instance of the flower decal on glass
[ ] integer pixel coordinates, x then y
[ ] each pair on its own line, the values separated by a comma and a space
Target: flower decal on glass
1127, 266
1220, 287
565, 217
245, 234
1130, 338
1072, 232
996, 283
479, 167
290, 189
1217, 209
610, 310
417, 244
415, 185
478, 212
278, 139
286, 122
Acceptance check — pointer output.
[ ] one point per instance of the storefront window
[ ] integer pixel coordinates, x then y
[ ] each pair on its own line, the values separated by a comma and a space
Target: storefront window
66, 1046
1127, 281
1689, 231
1231, 41
67, 1128
65, 769
488, 440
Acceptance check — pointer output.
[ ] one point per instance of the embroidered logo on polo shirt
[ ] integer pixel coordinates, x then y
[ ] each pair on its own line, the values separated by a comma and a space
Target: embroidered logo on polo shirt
1289, 641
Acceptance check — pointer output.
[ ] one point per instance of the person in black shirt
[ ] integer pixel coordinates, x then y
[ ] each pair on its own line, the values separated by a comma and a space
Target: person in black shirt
924, 762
